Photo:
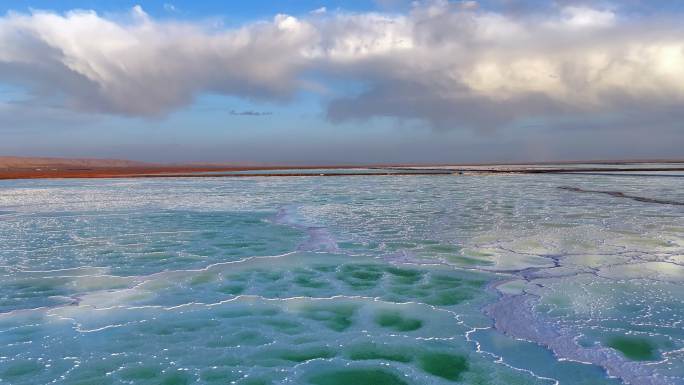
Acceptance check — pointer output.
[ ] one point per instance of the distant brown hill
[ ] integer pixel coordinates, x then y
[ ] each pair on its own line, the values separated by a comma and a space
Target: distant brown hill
32, 162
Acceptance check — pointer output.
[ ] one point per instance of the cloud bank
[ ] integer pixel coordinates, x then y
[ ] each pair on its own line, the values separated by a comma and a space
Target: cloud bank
450, 64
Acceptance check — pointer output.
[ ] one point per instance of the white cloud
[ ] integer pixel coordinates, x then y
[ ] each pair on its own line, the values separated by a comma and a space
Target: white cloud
440, 62
139, 13
583, 17
144, 67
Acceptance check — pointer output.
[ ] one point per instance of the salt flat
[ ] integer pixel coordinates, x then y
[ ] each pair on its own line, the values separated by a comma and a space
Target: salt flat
421, 279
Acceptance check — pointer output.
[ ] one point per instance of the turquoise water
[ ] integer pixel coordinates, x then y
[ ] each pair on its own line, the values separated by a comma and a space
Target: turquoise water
360, 280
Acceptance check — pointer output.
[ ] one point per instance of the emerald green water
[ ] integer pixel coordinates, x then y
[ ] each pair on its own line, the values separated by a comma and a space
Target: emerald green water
348, 280
633, 348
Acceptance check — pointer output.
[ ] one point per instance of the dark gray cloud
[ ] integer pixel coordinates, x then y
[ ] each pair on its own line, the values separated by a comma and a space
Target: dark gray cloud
250, 113
414, 100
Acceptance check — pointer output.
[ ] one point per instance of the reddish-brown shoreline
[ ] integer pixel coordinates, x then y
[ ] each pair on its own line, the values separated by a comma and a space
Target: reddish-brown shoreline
59, 168
126, 172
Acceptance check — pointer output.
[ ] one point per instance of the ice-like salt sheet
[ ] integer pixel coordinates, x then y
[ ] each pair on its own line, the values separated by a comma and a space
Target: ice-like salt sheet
619, 307
347, 280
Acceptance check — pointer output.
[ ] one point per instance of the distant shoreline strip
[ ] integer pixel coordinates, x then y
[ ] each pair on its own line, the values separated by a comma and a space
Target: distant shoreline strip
103, 174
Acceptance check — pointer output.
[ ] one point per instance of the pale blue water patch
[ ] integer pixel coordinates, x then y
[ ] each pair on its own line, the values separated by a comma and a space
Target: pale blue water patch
111, 246
136, 243
537, 359
367, 280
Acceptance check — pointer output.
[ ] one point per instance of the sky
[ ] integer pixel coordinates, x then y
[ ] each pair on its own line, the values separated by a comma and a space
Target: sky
359, 81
